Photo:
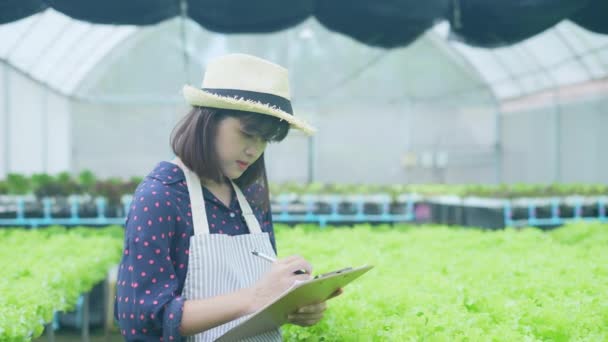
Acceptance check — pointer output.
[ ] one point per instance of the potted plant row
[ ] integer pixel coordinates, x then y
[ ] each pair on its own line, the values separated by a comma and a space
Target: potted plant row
61, 194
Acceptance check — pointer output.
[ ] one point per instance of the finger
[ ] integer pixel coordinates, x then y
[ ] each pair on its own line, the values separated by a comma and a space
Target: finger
304, 317
289, 259
300, 272
308, 323
313, 308
311, 311
293, 278
299, 264
296, 263
336, 293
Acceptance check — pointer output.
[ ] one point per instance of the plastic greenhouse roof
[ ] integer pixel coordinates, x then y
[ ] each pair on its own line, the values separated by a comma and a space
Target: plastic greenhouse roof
563, 55
59, 52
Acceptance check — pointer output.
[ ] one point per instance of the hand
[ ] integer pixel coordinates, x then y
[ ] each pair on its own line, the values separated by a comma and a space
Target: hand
307, 315
310, 314
336, 294
275, 282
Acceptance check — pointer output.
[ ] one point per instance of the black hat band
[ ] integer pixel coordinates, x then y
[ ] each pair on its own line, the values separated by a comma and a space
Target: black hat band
273, 100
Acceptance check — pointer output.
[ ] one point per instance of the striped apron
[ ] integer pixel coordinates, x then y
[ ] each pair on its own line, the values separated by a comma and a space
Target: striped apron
219, 264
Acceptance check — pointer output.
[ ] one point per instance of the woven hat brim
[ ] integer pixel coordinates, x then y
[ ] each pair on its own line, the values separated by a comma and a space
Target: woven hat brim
197, 97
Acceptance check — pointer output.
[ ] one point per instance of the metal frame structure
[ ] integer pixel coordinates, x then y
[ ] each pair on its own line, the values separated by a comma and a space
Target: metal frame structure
310, 213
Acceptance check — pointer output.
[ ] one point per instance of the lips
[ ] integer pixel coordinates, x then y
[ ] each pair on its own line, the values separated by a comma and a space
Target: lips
243, 165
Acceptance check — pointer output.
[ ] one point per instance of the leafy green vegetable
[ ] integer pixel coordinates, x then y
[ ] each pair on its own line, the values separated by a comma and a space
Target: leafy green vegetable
45, 270
430, 283
447, 284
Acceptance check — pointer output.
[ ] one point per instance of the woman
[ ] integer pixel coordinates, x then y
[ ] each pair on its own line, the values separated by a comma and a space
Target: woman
187, 267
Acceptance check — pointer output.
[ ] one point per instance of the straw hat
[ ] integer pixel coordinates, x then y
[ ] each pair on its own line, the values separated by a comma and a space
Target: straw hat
246, 83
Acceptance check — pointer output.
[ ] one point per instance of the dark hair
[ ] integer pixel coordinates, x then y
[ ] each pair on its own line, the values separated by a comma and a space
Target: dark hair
192, 140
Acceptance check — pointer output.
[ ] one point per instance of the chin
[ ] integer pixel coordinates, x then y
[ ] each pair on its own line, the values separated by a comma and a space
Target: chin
235, 175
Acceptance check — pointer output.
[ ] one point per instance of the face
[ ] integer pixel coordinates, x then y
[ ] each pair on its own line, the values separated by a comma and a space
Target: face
235, 148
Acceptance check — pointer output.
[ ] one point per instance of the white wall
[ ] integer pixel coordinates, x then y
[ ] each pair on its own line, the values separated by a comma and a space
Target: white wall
551, 144
584, 142
58, 146
4, 88
38, 127
119, 140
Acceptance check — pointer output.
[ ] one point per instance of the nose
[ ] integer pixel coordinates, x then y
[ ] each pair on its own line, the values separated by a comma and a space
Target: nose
255, 148
250, 151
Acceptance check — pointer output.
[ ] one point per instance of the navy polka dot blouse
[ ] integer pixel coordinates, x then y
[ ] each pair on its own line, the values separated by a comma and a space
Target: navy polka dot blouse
152, 272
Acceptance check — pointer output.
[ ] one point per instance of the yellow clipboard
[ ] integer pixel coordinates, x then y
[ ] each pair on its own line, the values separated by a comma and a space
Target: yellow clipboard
302, 293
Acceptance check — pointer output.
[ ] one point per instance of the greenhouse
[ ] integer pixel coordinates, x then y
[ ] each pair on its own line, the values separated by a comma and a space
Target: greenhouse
455, 146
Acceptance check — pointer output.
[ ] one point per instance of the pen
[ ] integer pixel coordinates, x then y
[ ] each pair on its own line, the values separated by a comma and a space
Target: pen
267, 258
263, 256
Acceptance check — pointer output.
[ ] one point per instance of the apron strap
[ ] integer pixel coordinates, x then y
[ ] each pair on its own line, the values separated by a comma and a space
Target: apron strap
250, 219
197, 203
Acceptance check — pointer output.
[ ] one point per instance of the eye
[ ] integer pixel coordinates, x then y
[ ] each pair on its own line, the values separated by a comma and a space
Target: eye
247, 135
253, 136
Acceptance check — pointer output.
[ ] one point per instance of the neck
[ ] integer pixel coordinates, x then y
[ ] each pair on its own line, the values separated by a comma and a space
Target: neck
214, 184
